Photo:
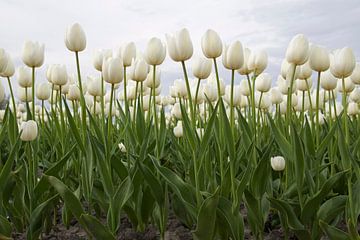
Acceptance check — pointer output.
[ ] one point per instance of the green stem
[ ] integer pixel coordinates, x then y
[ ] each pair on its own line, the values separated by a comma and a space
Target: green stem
317, 109
33, 92
189, 94
196, 94
12, 96
82, 97
125, 93
344, 103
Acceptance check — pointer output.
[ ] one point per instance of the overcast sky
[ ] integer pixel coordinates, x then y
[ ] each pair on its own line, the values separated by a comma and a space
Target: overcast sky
257, 24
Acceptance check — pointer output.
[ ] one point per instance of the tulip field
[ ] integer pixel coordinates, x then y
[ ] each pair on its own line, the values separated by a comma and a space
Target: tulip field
234, 159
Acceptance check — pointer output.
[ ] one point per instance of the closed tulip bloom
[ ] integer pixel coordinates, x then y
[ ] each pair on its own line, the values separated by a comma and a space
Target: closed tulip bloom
319, 59
4, 56
100, 56
263, 82
25, 94
298, 50
139, 70
353, 109
304, 84
29, 131
33, 54
2, 93
349, 85
8, 69
149, 82
178, 130
275, 96
355, 76
244, 88
211, 44
284, 85
94, 86
176, 111
328, 81
233, 56
201, 67
127, 53
24, 77
180, 46
43, 91
210, 92
277, 163
244, 70
180, 88
155, 52
122, 147
74, 93
75, 39
58, 74
342, 62
302, 72
258, 61
112, 71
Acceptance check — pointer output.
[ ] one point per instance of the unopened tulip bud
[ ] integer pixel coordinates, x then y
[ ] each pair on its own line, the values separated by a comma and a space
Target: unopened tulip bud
127, 53
298, 50
353, 109
75, 39
328, 81
74, 93
58, 74
355, 76
348, 85
138, 70
100, 56
233, 57
112, 70
319, 59
277, 163
43, 91
342, 62
244, 70
211, 44
263, 82
178, 130
7, 68
33, 54
24, 77
355, 95
180, 46
258, 61
29, 131
155, 52
275, 96
201, 67
122, 147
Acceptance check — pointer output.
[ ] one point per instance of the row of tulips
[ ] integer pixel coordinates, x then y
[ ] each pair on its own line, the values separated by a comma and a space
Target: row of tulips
205, 152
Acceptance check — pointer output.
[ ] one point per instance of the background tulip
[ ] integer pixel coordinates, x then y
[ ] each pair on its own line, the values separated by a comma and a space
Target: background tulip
211, 44
342, 62
112, 71
138, 70
258, 61
127, 53
33, 54
263, 82
277, 163
298, 50
58, 74
29, 131
155, 52
319, 59
100, 56
355, 76
24, 77
201, 67
43, 91
233, 57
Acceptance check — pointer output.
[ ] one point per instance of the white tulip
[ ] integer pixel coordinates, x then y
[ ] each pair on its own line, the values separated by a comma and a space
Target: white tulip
298, 50
342, 62
149, 82
94, 86
33, 54
258, 61
178, 130
127, 53
277, 163
24, 77
176, 111
353, 109
43, 91
75, 39
74, 93
112, 70
25, 94
29, 131
201, 67
244, 88
58, 74
244, 70
304, 84
328, 81
2, 93
275, 96
211, 44
233, 56
138, 70
155, 52
355, 76
319, 59
348, 85
263, 82
99, 57
7, 68
302, 72
355, 95
180, 46
122, 147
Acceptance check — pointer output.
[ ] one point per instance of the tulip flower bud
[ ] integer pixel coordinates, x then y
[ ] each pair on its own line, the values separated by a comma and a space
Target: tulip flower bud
244, 88
244, 70
24, 77
94, 86
212, 80
178, 130
112, 71
75, 39
138, 70
211, 44
355, 95
201, 67
43, 91
263, 82
149, 82
355, 76
74, 93
277, 163
155, 52
29, 131
180, 46
3, 59
233, 56
127, 53
258, 61
284, 85
275, 96
25, 94
100, 56
319, 59
302, 72
122, 147
7, 68
210, 92
298, 50
304, 84
342, 62
353, 109
348, 84
58, 74
33, 54
328, 81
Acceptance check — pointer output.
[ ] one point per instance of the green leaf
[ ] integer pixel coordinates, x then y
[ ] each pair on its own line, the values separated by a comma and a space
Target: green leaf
205, 228
313, 203
5, 228
283, 143
298, 156
263, 169
333, 232
332, 208
97, 230
6, 170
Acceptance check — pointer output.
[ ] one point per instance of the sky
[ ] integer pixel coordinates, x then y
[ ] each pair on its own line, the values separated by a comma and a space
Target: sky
267, 25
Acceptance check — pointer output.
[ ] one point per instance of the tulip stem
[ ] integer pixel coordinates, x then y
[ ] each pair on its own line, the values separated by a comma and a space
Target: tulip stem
232, 100
135, 101
82, 98
196, 95
317, 109
125, 93
110, 113
289, 97
12, 96
311, 105
189, 95
154, 108
27, 105
344, 103
102, 100
33, 93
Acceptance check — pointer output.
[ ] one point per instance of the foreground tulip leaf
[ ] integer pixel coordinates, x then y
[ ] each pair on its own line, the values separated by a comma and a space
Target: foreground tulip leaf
5, 228
333, 232
95, 227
